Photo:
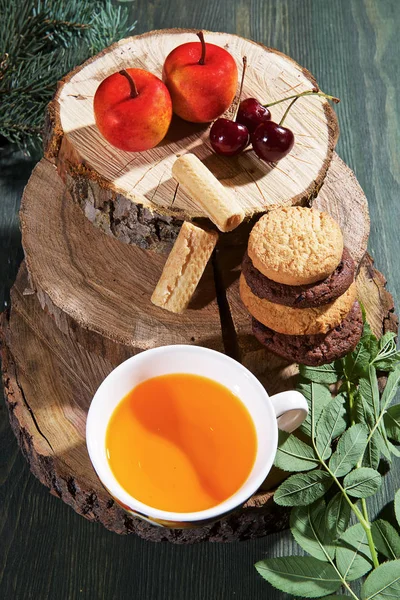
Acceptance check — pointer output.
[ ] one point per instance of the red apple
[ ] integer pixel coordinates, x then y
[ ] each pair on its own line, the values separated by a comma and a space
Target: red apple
202, 80
133, 110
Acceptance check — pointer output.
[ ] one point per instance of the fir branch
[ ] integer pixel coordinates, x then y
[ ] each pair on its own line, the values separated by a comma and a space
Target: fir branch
40, 41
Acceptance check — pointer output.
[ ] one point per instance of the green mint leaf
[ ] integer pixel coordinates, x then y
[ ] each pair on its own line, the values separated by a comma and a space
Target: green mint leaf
391, 387
363, 411
387, 357
392, 422
303, 576
325, 374
336, 596
393, 449
350, 449
337, 516
303, 488
367, 410
357, 362
372, 454
383, 583
353, 557
368, 340
397, 506
294, 454
331, 424
369, 391
362, 483
382, 443
389, 363
307, 524
317, 396
389, 336
386, 539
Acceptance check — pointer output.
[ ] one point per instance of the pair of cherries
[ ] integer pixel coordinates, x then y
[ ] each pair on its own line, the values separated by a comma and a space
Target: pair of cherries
271, 141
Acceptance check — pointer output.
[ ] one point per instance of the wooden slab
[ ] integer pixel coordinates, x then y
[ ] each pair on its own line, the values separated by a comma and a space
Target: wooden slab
95, 292
133, 195
50, 378
98, 289
49, 381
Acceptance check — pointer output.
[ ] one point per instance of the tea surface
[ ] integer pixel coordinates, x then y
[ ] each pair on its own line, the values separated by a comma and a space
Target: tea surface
181, 443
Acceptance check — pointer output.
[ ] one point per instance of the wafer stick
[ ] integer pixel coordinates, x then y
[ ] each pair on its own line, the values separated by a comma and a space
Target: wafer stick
184, 267
200, 184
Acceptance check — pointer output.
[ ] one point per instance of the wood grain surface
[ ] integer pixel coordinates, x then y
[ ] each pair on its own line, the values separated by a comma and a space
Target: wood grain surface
130, 184
91, 282
81, 305
48, 552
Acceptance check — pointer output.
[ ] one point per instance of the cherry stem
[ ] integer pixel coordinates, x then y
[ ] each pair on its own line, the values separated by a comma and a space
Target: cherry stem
134, 91
202, 60
309, 93
244, 59
287, 110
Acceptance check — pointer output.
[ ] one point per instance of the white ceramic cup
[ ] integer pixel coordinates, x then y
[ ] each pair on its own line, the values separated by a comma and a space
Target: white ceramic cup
286, 410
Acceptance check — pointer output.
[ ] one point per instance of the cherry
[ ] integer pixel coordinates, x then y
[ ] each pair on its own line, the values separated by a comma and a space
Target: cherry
227, 136
271, 141
251, 113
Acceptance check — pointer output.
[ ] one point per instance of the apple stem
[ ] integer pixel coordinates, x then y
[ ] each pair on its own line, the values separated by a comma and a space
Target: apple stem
309, 93
202, 60
287, 110
134, 91
244, 59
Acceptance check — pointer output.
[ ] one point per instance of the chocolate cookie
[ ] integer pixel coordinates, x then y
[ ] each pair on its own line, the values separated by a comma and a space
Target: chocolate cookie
314, 350
301, 296
298, 321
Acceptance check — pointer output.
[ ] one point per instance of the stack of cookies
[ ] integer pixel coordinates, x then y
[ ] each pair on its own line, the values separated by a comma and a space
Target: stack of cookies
298, 284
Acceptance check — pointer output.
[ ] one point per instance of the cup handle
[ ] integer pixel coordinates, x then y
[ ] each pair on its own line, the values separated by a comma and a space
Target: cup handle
291, 409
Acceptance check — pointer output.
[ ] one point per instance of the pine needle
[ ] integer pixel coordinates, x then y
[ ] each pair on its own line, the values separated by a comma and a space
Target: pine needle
40, 41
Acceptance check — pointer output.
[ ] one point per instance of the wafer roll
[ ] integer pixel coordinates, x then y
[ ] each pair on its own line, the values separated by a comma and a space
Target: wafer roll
200, 184
184, 267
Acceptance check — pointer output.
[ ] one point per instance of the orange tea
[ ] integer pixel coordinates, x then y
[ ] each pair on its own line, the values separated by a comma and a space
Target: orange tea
181, 443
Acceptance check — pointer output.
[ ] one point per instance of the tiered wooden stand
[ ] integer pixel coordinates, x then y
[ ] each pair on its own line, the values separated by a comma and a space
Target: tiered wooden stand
81, 302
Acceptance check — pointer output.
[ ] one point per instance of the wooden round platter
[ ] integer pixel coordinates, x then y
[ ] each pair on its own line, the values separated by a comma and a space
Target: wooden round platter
133, 195
81, 302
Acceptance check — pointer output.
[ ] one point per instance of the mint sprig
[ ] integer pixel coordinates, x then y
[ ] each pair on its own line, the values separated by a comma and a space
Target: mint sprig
335, 456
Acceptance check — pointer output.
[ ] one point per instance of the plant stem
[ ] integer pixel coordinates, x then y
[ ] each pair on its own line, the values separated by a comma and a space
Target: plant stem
342, 579
330, 560
244, 59
134, 91
379, 419
287, 110
309, 93
364, 508
351, 398
346, 585
352, 506
363, 502
363, 519
202, 60
370, 539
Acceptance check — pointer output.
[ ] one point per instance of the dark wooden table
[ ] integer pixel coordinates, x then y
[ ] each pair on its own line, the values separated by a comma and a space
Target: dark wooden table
46, 550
